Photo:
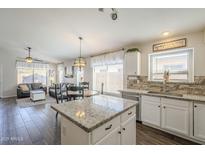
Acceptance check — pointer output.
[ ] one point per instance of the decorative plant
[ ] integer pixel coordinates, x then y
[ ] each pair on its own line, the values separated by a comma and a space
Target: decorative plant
133, 50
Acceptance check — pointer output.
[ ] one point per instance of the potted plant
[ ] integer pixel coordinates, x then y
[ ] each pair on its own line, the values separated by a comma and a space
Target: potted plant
133, 50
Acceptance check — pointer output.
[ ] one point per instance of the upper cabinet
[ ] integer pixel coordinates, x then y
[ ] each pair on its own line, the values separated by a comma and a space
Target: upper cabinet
132, 63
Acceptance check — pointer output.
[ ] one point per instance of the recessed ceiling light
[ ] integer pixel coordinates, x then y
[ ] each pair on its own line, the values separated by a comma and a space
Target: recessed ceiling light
165, 33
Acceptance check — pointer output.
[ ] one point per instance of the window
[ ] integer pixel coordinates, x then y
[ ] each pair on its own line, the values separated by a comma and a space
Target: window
40, 75
179, 63
35, 73
24, 75
110, 75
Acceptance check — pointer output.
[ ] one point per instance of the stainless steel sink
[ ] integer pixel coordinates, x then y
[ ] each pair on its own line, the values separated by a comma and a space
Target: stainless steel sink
165, 93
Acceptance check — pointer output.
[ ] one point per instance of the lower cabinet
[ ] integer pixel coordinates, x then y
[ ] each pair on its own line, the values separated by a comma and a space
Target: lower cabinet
125, 134
181, 117
150, 110
119, 130
175, 115
128, 132
169, 114
199, 120
112, 138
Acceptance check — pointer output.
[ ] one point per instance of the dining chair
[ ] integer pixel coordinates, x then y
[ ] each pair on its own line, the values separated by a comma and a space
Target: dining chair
60, 93
75, 92
85, 85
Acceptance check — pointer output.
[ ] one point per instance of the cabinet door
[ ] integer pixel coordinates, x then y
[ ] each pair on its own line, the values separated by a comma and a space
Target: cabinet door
199, 120
113, 138
150, 111
175, 116
132, 63
128, 130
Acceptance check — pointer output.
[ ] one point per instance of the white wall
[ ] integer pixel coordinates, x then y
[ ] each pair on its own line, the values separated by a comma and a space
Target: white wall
194, 40
8, 62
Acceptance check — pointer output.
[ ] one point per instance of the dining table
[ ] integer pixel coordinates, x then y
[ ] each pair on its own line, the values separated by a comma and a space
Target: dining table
87, 93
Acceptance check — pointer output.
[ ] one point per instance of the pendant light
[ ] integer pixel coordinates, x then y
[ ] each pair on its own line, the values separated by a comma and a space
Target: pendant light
29, 58
80, 61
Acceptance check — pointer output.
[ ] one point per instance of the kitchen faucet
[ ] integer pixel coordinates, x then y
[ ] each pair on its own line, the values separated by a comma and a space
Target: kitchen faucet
165, 80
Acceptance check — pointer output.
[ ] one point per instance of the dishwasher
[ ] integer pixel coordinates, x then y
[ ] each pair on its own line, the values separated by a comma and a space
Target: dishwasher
135, 97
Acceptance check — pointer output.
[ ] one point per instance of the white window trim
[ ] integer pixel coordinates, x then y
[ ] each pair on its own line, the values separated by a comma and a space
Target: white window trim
190, 62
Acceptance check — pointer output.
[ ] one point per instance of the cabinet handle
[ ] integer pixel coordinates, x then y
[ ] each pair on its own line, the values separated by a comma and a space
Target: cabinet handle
107, 128
164, 107
159, 106
129, 113
123, 128
195, 106
119, 132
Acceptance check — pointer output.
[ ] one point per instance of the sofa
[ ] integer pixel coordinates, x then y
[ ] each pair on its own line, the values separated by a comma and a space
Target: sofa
23, 90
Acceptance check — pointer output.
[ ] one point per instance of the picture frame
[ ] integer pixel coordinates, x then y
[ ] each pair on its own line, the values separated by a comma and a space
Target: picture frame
169, 45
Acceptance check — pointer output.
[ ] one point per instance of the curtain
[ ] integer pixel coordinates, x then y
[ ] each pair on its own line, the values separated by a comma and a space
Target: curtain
21, 64
108, 59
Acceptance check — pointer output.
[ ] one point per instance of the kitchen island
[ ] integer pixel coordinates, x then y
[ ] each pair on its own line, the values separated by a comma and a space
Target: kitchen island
98, 120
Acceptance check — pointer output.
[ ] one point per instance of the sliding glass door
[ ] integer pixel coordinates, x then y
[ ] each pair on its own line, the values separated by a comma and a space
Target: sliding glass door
111, 76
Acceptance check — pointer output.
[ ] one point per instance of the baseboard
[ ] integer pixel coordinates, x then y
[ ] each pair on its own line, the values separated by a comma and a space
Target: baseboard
3, 97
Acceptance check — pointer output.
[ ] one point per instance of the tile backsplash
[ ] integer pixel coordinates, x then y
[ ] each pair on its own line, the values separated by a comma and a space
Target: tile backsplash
195, 88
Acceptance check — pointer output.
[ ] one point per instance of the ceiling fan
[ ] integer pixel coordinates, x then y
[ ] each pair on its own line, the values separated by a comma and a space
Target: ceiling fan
29, 58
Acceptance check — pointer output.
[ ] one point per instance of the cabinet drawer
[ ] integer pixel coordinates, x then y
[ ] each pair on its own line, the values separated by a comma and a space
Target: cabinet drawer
105, 129
150, 98
175, 102
128, 114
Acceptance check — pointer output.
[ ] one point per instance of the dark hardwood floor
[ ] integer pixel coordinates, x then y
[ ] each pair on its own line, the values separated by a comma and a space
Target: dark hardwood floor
38, 125
149, 136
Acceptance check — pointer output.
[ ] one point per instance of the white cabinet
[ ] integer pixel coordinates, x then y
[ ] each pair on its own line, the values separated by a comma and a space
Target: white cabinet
119, 130
169, 114
175, 115
132, 63
199, 120
128, 132
150, 110
112, 138
125, 134
105, 129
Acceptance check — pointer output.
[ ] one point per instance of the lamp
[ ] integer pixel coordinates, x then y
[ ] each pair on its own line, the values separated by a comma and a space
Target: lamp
80, 61
29, 58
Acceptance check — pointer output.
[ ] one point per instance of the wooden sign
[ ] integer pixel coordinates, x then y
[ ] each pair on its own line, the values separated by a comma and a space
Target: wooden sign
169, 45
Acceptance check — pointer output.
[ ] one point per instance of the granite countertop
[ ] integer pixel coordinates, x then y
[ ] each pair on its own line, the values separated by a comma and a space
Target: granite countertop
90, 113
134, 91
187, 97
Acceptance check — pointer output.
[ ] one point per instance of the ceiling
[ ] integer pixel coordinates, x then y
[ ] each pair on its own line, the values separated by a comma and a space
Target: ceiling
54, 32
